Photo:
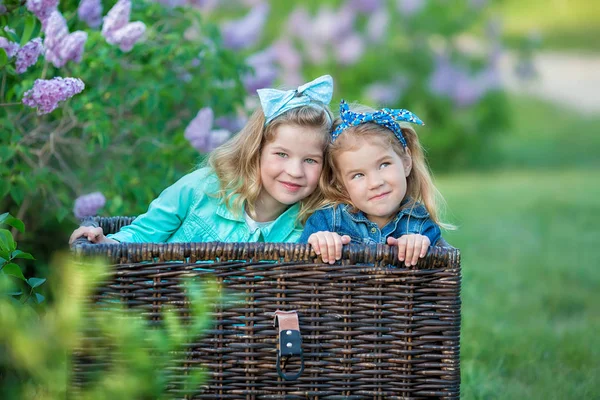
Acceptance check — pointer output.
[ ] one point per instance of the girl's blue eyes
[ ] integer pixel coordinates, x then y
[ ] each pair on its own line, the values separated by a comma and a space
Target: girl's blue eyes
359, 175
308, 160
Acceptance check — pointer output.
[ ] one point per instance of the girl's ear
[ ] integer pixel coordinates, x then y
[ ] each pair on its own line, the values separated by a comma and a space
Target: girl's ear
407, 162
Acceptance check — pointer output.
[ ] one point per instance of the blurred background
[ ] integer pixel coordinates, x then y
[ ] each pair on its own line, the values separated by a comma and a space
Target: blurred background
508, 90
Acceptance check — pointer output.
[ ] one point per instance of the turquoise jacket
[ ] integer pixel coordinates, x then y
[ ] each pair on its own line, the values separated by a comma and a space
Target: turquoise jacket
186, 212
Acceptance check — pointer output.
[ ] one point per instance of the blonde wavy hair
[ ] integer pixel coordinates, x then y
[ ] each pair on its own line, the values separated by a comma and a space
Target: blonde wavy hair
419, 183
237, 162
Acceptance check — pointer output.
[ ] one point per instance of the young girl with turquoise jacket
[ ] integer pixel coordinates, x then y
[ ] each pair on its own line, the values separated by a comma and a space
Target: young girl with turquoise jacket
261, 185
379, 188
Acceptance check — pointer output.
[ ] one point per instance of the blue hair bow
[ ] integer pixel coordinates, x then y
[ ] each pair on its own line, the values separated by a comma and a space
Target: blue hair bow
386, 117
275, 102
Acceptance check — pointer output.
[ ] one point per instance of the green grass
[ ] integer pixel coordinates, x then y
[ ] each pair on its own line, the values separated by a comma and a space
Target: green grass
563, 24
543, 136
529, 235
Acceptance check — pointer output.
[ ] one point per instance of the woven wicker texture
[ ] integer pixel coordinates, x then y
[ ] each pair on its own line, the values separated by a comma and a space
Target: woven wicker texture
370, 327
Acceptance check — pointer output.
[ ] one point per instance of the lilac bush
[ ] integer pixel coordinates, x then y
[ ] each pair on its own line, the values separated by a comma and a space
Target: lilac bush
138, 99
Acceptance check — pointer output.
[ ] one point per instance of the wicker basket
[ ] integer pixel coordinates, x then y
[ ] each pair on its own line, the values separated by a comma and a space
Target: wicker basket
368, 330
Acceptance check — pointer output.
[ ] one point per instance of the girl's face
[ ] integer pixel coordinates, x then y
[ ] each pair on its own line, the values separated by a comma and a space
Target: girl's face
374, 176
290, 167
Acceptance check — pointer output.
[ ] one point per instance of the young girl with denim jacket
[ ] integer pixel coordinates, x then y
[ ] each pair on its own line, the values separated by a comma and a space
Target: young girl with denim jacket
261, 185
379, 190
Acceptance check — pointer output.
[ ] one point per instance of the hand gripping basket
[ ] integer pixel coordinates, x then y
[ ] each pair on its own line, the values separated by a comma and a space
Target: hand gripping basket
364, 328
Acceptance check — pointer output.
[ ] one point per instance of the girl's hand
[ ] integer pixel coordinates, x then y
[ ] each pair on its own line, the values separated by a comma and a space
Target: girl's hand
328, 245
410, 247
94, 235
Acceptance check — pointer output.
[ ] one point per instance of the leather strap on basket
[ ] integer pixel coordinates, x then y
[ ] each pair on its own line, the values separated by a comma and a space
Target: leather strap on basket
290, 342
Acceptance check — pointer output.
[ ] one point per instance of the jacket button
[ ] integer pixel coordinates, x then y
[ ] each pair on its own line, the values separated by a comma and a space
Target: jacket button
373, 230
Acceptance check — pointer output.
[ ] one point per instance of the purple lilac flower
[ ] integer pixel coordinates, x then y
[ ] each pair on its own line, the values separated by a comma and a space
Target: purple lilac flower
28, 55
377, 25
216, 138
292, 78
344, 24
72, 48
171, 3
463, 88
55, 31
198, 130
42, 8
46, 94
350, 50
365, 6
251, 3
299, 23
264, 71
286, 54
88, 205
117, 30
330, 26
204, 5
129, 35
231, 123
90, 11
245, 32
62, 47
2, 9
116, 18
383, 92
442, 79
11, 48
316, 51
410, 7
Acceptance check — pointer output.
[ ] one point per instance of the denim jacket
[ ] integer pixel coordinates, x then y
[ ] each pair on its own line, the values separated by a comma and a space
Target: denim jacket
188, 212
342, 220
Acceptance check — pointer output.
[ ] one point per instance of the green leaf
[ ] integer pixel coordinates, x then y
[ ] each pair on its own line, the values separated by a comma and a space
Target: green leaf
7, 243
21, 254
61, 213
39, 298
3, 57
35, 282
29, 26
8, 219
4, 188
13, 269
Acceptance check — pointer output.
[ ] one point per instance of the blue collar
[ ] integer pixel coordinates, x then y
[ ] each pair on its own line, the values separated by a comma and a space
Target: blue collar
418, 211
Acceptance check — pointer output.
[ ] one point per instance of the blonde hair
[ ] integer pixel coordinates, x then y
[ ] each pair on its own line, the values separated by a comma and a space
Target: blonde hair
419, 183
237, 162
